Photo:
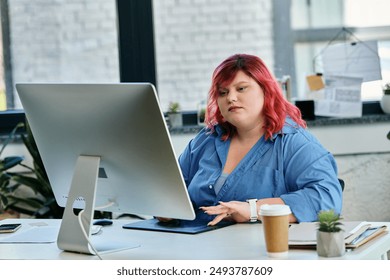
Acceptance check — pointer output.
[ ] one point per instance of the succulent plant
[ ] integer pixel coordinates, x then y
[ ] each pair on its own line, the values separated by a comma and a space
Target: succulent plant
329, 221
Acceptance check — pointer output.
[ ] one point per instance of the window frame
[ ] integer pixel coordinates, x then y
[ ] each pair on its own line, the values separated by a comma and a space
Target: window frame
286, 37
6, 42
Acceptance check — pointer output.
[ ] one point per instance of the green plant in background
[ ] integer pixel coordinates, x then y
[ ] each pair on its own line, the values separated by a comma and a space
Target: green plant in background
202, 115
27, 191
329, 221
174, 115
386, 89
174, 107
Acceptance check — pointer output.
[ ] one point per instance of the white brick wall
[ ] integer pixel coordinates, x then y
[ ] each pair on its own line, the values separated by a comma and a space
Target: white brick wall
63, 41
76, 41
193, 36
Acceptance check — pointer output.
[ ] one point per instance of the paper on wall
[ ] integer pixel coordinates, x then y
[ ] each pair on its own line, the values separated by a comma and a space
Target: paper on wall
315, 82
358, 59
341, 97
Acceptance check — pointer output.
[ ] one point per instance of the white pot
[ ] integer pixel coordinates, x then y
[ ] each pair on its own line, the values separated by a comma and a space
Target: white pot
175, 119
385, 103
330, 244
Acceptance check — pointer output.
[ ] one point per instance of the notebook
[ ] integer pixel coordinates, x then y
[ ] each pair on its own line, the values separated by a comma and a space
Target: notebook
176, 226
356, 233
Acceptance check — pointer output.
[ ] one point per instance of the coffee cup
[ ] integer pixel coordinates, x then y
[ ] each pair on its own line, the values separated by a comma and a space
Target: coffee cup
275, 219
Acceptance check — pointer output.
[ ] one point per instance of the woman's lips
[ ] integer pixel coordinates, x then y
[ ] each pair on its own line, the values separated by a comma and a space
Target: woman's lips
234, 108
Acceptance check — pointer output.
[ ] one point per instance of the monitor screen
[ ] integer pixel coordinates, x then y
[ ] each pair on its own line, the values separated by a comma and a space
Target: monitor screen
118, 128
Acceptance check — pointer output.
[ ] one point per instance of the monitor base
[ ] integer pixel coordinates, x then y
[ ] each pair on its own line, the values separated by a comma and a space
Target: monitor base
75, 230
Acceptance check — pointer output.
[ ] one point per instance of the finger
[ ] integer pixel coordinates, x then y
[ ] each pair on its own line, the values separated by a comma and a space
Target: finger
212, 207
232, 207
230, 204
218, 219
215, 210
224, 203
207, 208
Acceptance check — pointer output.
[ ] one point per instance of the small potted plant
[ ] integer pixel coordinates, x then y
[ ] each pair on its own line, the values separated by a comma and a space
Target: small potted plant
385, 100
330, 235
174, 115
202, 112
201, 116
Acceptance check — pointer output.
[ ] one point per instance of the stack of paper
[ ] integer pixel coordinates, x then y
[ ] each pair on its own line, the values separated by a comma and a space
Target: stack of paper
304, 235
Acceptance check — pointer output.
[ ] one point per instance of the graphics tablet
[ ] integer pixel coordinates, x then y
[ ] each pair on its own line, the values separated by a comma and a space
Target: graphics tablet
176, 226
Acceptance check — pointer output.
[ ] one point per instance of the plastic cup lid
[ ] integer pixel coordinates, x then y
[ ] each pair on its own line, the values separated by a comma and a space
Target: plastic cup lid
274, 210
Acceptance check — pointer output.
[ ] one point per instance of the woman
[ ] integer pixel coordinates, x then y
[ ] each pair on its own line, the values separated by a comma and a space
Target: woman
255, 148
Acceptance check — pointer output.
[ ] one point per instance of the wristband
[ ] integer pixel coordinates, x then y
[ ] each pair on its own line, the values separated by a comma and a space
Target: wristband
253, 208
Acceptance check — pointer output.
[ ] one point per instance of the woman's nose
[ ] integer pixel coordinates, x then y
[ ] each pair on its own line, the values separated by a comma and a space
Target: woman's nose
232, 96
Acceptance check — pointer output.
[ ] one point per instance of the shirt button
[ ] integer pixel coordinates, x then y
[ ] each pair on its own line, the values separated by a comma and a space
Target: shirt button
210, 187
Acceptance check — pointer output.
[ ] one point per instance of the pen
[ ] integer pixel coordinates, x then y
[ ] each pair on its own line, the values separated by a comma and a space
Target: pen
363, 235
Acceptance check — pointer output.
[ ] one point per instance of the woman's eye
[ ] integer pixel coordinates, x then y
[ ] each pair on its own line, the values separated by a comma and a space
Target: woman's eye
223, 92
241, 88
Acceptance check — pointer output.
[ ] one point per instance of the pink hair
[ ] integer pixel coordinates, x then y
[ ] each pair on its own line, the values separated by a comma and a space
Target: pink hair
276, 108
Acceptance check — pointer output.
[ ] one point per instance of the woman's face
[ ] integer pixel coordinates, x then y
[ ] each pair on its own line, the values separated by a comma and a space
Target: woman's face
241, 102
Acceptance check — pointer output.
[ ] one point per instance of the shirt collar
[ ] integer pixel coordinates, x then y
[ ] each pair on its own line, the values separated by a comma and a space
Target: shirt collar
289, 127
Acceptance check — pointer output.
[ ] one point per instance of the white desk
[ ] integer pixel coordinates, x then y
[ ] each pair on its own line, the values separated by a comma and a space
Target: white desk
237, 242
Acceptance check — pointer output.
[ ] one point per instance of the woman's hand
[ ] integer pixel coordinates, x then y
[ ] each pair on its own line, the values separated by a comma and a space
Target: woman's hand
237, 211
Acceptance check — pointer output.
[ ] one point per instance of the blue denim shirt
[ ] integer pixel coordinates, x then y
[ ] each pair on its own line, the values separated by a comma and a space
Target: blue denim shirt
292, 165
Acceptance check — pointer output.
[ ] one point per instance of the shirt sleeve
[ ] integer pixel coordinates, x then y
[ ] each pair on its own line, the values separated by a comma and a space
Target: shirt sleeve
311, 180
189, 159
185, 163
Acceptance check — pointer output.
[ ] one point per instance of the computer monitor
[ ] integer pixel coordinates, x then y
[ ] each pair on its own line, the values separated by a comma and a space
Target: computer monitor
104, 145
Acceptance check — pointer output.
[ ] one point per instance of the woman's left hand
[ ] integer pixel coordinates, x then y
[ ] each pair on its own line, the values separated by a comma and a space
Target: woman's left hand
237, 211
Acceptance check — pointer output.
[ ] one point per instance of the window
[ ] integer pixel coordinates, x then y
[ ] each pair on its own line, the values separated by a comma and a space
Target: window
58, 41
315, 24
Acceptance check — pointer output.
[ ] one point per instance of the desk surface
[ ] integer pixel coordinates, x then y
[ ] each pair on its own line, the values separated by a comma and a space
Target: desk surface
236, 242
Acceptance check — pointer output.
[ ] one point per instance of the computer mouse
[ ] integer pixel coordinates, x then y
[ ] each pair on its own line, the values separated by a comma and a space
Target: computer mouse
102, 222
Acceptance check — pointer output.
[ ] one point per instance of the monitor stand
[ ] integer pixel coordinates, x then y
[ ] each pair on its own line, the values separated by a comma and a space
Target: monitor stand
71, 236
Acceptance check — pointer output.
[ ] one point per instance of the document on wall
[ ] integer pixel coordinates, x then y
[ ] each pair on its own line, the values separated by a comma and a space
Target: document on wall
357, 59
341, 97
